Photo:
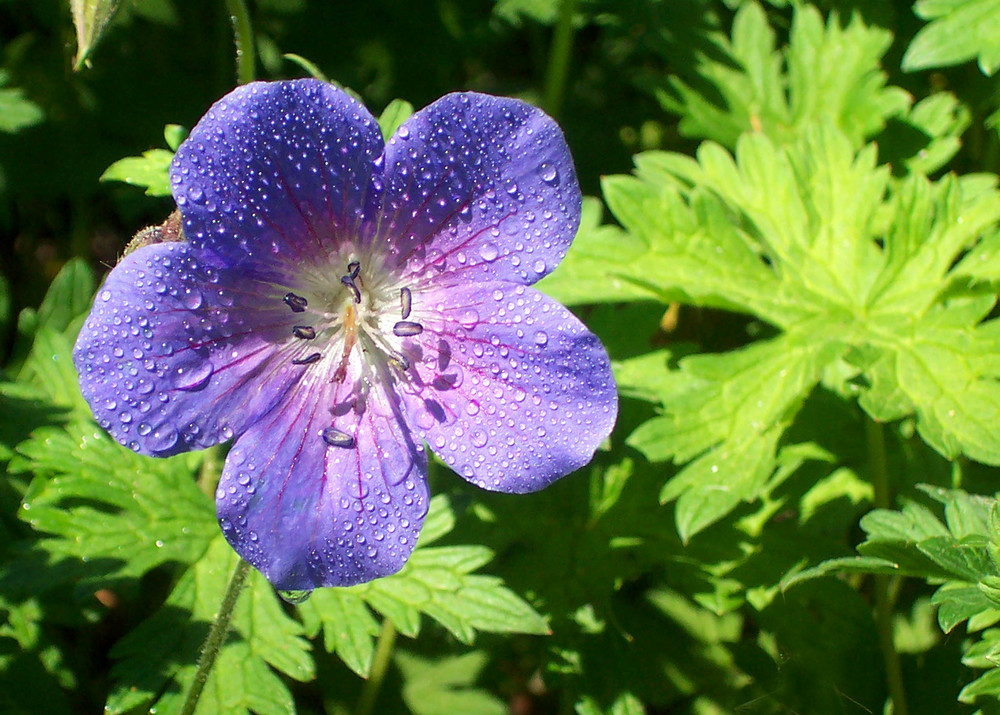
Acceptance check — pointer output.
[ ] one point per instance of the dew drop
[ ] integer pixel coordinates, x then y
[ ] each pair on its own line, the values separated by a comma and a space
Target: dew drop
541, 338
479, 438
549, 173
295, 597
192, 299
489, 252
468, 318
193, 378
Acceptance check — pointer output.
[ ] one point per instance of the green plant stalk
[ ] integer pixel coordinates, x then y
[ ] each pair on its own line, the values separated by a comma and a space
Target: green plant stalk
883, 601
246, 55
559, 57
216, 636
380, 665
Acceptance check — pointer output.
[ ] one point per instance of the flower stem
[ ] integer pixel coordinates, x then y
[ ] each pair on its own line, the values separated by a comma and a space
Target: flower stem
246, 56
559, 57
883, 600
380, 664
216, 636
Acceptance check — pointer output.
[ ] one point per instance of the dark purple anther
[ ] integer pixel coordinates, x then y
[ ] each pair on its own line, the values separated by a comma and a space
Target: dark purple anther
336, 438
296, 302
349, 282
307, 360
304, 331
406, 328
405, 302
353, 269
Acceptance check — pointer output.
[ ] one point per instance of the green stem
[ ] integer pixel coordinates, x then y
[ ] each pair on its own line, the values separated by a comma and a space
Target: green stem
380, 665
246, 56
216, 636
883, 600
559, 57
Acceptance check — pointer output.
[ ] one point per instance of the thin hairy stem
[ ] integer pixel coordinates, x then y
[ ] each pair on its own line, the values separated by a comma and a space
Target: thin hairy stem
883, 599
380, 664
216, 636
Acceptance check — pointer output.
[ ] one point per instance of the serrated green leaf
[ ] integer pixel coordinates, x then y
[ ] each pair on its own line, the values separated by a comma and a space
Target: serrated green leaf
68, 297
395, 113
958, 602
988, 685
964, 559
957, 31
98, 501
150, 171
347, 624
445, 686
828, 73
719, 417
49, 367
437, 581
156, 662
764, 232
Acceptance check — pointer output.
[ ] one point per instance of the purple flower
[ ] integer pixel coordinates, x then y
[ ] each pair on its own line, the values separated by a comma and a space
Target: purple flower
338, 303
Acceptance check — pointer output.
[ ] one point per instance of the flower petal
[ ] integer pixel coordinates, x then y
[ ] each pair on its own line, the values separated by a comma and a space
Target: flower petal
480, 187
515, 391
307, 514
178, 355
276, 168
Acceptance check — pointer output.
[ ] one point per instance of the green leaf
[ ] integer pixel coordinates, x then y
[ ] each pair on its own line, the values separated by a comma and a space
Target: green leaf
91, 18
49, 367
446, 686
99, 502
16, 111
68, 297
395, 113
347, 624
150, 171
624, 704
957, 31
156, 662
437, 582
174, 134
6, 311
721, 422
828, 73
875, 293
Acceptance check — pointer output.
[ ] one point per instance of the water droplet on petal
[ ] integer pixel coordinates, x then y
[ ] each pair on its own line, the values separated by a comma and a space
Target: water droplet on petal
295, 597
549, 173
541, 338
489, 252
194, 377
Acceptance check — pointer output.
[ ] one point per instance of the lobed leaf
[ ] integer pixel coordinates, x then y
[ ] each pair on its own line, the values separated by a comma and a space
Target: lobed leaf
828, 73
150, 171
956, 31
156, 662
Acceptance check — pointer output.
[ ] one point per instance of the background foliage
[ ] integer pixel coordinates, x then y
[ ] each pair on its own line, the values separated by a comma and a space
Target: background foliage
791, 250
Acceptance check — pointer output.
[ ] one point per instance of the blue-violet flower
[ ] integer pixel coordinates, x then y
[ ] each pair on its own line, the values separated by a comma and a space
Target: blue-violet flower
337, 303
